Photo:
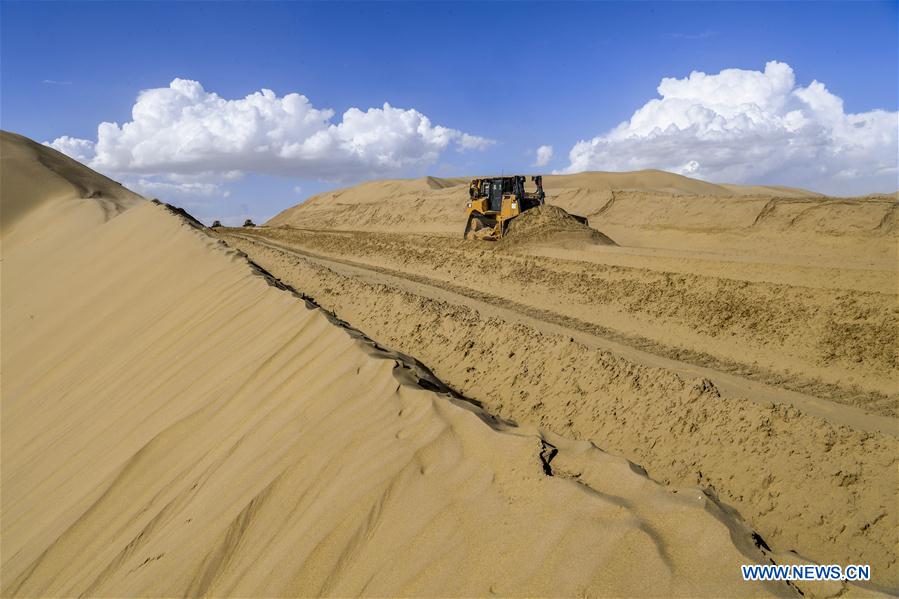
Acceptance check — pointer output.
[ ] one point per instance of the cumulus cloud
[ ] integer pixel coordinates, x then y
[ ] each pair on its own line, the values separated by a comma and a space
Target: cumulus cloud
745, 126
194, 188
184, 130
544, 155
473, 142
81, 150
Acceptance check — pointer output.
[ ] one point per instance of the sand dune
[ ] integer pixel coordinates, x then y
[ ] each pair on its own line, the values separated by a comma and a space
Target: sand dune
820, 230
663, 182
742, 338
434, 204
62, 189
651, 209
176, 422
811, 465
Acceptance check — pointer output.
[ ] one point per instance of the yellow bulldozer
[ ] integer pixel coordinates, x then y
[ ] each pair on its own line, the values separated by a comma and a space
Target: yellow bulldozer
494, 202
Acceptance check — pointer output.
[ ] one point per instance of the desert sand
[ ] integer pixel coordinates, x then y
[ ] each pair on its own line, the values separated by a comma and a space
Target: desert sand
741, 339
177, 421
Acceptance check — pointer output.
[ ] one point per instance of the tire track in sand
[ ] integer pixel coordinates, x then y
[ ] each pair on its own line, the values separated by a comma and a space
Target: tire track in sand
593, 335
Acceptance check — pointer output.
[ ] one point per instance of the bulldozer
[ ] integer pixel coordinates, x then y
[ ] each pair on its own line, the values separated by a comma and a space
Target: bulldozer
495, 201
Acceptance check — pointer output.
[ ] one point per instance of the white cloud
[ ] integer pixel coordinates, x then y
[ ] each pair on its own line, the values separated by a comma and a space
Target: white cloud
746, 126
473, 142
544, 155
184, 130
81, 150
151, 187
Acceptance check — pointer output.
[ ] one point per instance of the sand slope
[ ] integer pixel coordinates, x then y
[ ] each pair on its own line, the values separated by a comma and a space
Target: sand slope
813, 473
651, 209
783, 301
52, 177
176, 423
437, 205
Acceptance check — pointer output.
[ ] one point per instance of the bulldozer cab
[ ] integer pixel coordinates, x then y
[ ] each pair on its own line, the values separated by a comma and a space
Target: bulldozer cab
494, 189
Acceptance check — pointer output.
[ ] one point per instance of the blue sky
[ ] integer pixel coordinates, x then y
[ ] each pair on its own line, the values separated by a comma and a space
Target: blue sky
520, 74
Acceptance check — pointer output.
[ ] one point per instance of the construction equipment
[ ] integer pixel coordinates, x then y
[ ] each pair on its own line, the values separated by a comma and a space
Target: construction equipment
495, 201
